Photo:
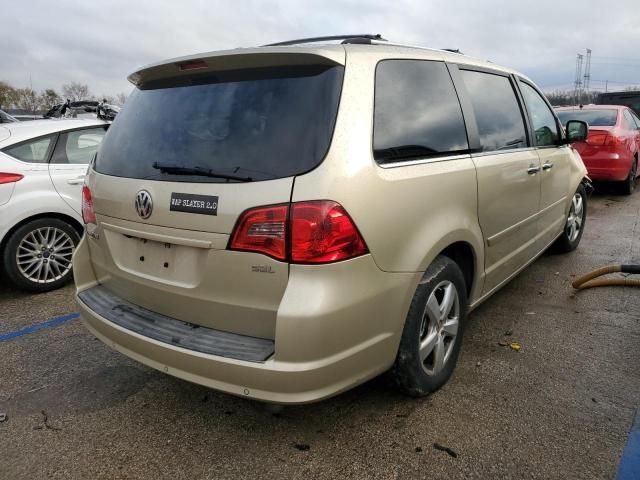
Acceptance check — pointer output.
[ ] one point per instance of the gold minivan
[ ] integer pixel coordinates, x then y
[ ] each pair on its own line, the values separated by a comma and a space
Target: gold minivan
286, 222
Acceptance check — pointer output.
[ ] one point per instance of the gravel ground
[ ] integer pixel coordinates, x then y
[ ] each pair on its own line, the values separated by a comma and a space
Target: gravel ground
561, 407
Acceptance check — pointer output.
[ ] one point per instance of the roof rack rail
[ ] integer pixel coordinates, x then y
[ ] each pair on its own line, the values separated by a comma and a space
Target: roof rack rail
419, 47
358, 38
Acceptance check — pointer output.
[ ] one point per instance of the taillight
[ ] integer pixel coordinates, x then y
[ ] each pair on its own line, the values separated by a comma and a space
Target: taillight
323, 232
303, 232
596, 139
262, 230
88, 214
602, 139
611, 141
10, 177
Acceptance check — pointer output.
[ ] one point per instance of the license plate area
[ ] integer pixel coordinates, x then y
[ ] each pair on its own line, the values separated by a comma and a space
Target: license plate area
154, 253
162, 262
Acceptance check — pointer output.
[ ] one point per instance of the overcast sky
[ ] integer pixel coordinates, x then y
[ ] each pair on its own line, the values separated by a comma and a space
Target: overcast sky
100, 42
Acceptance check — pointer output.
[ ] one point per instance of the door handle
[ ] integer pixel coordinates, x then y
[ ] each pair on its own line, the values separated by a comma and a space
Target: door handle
76, 181
533, 170
547, 166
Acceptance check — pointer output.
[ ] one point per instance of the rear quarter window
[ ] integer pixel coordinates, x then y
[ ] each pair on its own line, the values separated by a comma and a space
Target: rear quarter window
417, 113
32, 151
629, 122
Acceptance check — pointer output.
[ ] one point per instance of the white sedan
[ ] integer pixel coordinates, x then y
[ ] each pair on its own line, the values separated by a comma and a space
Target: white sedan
42, 168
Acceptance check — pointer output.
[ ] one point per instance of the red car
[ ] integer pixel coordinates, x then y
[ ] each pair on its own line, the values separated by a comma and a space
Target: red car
610, 152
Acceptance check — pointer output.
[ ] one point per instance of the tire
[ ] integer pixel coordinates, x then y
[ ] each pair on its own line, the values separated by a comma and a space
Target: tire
54, 240
569, 239
629, 185
418, 374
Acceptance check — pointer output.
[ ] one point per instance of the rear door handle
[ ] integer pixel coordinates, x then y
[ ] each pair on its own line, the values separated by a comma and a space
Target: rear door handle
533, 170
76, 181
547, 166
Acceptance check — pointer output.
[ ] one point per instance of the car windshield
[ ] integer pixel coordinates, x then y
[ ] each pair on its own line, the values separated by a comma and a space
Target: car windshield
6, 118
256, 123
594, 117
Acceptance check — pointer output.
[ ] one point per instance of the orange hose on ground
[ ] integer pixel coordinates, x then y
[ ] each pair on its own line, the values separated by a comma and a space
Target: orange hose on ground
587, 280
609, 282
596, 273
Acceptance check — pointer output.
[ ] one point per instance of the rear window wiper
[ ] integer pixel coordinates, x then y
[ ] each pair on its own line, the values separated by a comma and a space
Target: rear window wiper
205, 172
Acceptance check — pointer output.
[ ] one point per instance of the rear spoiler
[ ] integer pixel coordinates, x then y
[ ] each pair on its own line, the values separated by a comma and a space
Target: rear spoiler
236, 60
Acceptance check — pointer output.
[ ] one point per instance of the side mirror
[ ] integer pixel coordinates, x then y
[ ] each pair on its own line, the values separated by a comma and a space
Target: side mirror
577, 131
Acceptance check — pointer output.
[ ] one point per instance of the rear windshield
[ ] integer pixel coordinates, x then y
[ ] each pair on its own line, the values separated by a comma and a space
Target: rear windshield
595, 118
255, 124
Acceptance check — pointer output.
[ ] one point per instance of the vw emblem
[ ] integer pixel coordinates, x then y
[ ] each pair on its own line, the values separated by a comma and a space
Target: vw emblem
144, 204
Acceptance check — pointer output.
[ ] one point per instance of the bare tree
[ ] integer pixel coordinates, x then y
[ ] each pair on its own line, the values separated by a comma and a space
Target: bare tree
48, 98
121, 98
561, 98
76, 91
26, 99
7, 95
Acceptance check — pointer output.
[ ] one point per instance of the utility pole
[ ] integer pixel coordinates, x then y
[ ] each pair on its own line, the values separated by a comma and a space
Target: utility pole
587, 74
28, 95
577, 92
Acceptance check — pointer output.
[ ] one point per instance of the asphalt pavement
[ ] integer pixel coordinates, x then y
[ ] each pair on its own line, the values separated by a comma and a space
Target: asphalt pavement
561, 407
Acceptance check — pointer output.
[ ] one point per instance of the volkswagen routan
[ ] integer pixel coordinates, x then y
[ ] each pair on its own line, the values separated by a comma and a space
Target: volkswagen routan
285, 222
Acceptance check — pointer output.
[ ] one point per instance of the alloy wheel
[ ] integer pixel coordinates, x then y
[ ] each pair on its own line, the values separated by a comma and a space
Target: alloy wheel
439, 328
575, 218
44, 255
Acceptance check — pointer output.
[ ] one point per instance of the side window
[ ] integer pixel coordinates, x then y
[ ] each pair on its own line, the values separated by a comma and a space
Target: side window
35, 151
629, 122
500, 122
417, 112
635, 117
78, 146
544, 122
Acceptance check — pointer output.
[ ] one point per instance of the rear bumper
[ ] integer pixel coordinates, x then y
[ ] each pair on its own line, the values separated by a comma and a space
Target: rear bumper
170, 331
607, 166
325, 343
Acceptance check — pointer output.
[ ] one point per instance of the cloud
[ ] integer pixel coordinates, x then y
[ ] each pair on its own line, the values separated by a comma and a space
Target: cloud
100, 43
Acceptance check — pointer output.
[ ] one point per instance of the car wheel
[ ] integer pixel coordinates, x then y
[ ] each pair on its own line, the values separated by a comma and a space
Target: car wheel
629, 185
432, 334
574, 225
37, 255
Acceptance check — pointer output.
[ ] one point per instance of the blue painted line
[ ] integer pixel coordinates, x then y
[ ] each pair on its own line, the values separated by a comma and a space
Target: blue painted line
38, 326
629, 468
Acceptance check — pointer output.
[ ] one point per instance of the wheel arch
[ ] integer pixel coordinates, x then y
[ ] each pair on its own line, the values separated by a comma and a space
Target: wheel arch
466, 248
60, 216
463, 254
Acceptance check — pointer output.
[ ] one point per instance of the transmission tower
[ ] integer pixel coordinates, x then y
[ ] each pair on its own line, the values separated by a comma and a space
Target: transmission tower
587, 72
577, 92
